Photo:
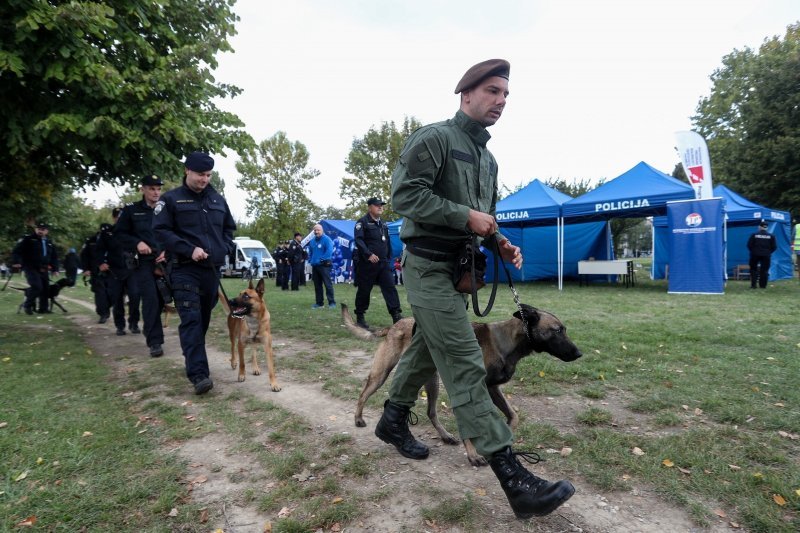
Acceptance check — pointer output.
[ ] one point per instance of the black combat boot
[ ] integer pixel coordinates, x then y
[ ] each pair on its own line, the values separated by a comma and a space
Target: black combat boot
392, 428
397, 316
528, 495
360, 321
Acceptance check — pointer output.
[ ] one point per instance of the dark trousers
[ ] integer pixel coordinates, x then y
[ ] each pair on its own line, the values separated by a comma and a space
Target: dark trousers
321, 275
145, 282
102, 294
759, 270
369, 274
194, 289
39, 289
298, 274
120, 285
285, 270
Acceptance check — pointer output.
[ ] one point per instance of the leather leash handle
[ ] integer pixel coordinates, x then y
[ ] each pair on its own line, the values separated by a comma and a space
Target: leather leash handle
474, 284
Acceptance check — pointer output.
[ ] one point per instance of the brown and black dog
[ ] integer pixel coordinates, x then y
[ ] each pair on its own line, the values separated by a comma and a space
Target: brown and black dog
249, 323
503, 345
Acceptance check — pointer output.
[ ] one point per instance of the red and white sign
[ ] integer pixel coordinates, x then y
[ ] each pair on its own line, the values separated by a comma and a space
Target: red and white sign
696, 164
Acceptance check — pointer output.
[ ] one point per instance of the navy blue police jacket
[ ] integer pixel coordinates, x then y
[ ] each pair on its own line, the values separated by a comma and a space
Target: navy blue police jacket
372, 237
184, 220
135, 225
29, 253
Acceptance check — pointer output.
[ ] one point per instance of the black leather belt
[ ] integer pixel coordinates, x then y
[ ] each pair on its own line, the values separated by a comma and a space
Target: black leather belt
415, 248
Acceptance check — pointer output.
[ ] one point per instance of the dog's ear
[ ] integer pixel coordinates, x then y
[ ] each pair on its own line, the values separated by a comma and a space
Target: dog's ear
259, 287
531, 314
250, 285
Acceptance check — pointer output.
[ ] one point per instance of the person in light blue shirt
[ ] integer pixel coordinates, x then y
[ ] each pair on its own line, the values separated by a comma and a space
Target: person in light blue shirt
320, 251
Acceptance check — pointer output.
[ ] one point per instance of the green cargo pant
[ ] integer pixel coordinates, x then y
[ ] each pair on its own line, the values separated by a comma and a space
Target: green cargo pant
444, 341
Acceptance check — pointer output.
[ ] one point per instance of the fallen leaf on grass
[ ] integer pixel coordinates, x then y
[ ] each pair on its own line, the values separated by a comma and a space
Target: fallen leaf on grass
685, 407
332, 418
28, 522
203, 516
797, 491
87, 433
734, 525
480, 492
637, 451
720, 513
783, 434
267, 528
21, 476
667, 463
40, 460
173, 512
698, 411
337, 499
198, 480
566, 451
685, 471
758, 475
284, 512
3, 424
779, 404
777, 498
336, 527
127, 394
734, 467
541, 373
305, 475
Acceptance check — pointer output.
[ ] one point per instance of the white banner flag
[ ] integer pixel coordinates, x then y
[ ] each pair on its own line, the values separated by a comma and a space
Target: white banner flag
693, 152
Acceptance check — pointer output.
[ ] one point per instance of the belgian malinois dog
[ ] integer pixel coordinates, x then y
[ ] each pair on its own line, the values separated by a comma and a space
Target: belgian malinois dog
248, 323
503, 344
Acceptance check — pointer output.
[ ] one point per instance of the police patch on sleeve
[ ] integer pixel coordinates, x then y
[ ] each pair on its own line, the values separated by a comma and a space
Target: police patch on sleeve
358, 225
159, 206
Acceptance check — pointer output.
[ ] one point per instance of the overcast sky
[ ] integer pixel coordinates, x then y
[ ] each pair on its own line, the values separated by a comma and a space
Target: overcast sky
595, 86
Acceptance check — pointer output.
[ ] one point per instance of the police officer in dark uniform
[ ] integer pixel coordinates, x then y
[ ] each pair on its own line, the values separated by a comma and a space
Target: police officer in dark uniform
761, 245
374, 262
37, 257
90, 263
134, 229
117, 264
296, 261
195, 226
282, 261
278, 255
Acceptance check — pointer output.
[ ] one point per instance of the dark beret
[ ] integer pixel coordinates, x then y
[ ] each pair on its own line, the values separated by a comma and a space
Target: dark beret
151, 180
199, 162
481, 71
375, 201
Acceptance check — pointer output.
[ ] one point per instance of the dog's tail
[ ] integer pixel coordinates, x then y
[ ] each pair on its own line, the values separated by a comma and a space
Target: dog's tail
358, 331
224, 301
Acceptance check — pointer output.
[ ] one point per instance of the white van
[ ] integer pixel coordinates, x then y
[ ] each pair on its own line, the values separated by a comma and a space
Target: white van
245, 249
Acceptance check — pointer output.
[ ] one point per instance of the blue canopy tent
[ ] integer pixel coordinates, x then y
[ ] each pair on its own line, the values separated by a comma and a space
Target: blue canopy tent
394, 237
530, 219
642, 191
743, 217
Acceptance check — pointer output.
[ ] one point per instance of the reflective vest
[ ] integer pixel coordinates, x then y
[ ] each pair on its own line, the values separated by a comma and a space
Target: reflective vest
796, 239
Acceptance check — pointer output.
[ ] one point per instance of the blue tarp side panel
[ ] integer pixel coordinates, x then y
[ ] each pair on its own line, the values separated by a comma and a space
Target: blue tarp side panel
639, 192
661, 252
539, 246
740, 208
535, 201
695, 233
394, 237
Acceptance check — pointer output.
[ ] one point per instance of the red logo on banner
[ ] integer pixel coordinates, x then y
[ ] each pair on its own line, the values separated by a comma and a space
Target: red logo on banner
696, 174
693, 220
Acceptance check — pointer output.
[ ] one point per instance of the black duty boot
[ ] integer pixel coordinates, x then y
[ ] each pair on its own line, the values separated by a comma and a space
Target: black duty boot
397, 316
528, 495
360, 321
392, 428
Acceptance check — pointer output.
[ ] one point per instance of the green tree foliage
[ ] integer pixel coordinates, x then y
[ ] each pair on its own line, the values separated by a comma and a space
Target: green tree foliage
275, 176
575, 187
108, 91
751, 121
370, 163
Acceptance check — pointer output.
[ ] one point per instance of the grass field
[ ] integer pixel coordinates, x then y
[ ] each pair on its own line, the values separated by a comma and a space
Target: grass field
697, 396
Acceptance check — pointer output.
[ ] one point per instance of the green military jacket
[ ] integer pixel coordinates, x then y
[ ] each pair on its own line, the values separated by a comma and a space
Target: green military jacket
444, 170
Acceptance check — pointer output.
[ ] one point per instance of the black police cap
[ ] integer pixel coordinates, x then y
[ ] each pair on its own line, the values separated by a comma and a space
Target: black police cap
42, 225
151, 181
199, 162
375, 201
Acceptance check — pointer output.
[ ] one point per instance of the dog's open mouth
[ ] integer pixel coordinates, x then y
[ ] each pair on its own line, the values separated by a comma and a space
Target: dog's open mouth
238, 310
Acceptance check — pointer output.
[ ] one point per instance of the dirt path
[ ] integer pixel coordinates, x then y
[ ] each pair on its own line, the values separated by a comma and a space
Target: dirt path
226, 475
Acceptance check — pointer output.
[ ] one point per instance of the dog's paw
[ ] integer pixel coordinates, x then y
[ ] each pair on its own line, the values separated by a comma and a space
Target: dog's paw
256, 371
360, 423
275, 387
241, 377
447, 438
477, 460
233, 365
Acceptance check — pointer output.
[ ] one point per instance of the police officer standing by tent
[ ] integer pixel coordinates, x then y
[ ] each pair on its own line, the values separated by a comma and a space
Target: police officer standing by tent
195, 226
761, 245
374, 262
296, 259
134, 229
37, 257
445, 185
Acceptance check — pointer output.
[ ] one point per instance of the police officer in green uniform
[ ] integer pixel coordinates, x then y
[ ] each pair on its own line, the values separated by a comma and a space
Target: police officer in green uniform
445, 186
